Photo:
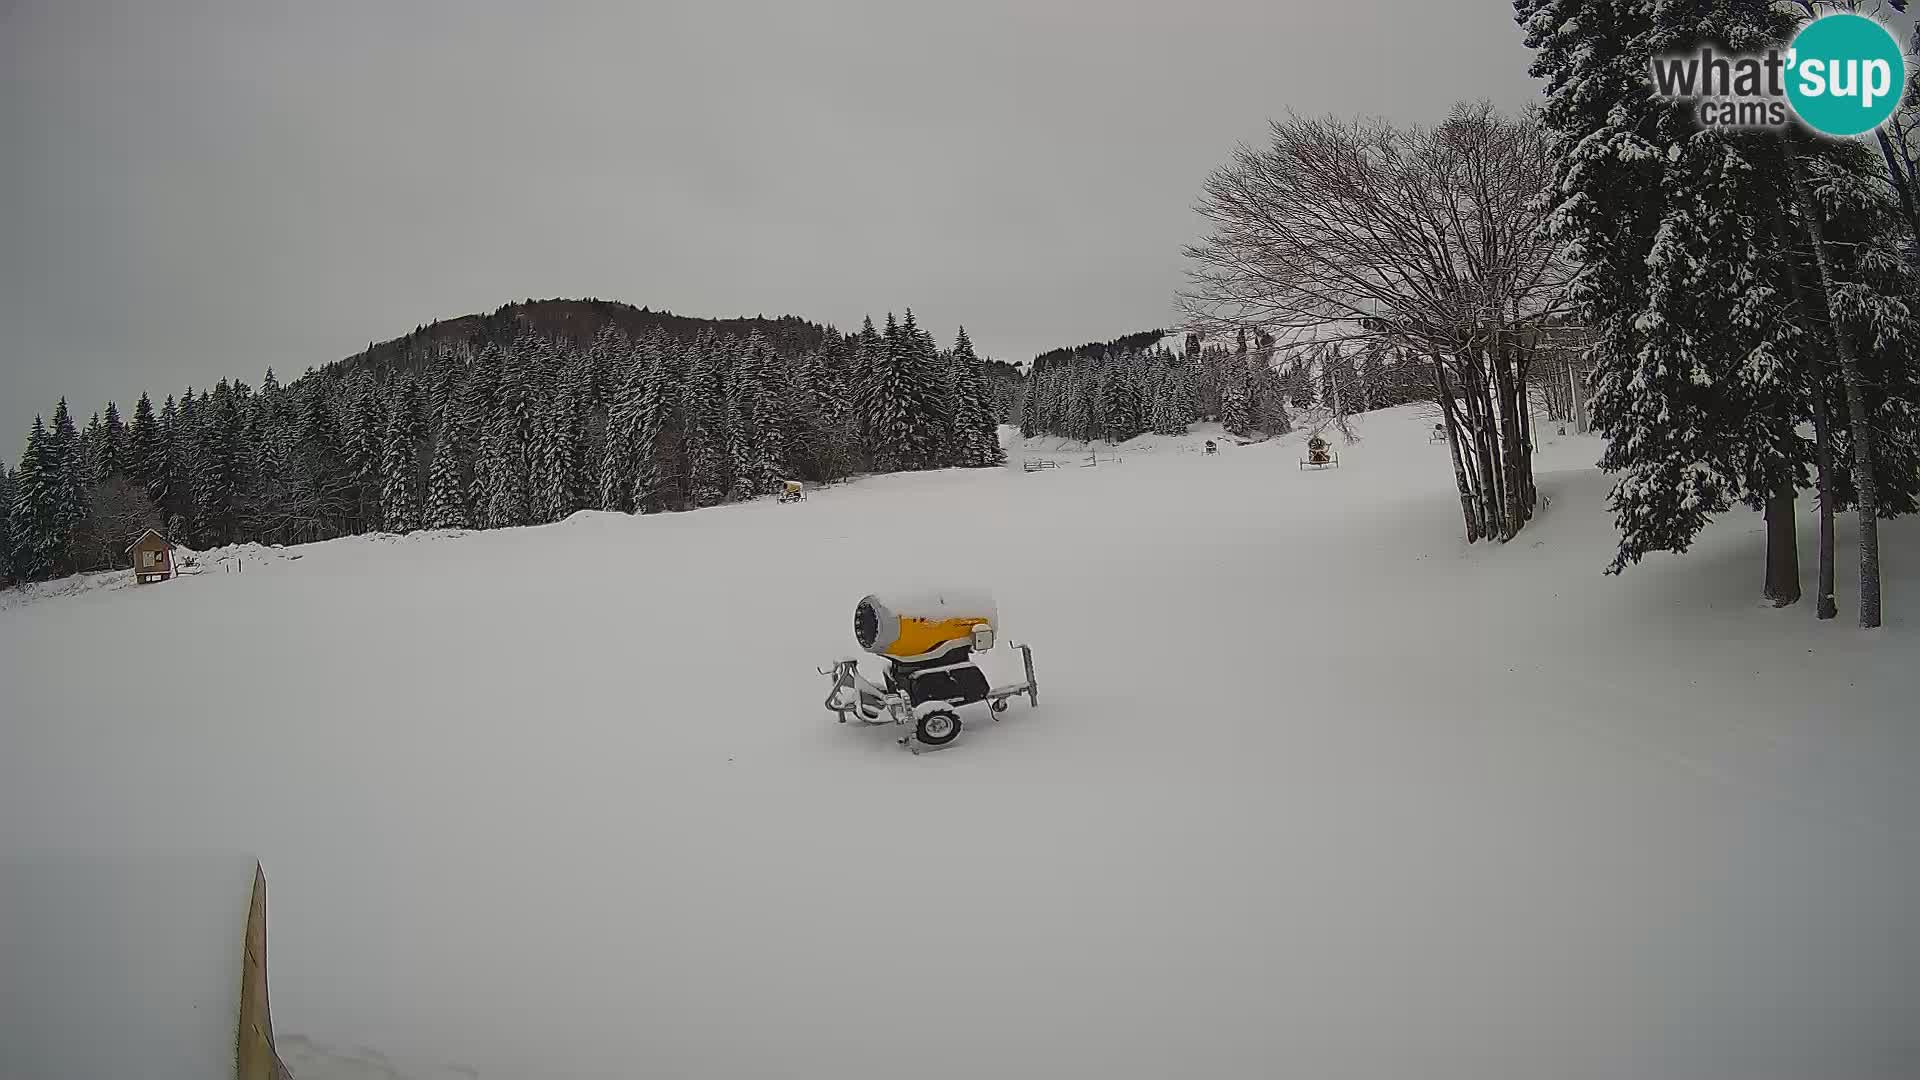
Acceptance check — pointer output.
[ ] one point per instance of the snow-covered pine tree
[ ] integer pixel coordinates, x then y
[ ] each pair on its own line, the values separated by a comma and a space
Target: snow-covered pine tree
702, 408
1033, 404
180, 430
970, 411
446, 487
91, 439
364, 427
830, 394
1087, 389
1048, 399
773, 411
736, 421
39, 543
474, 402
869, 353
1300, 393
549, 460
8, 490
660, 390
985, 450
1059, 399
802, 432
321, 499
833, 436
618, 452
1108, 399
1679, 269
1236, 408
68, 463
406, 435
1186, 379
1074, 403
601, 371
506, 464
580, 382
890, 401
446, 375
1060, 391
1267, 396
217, 470
755, 421
976, 426
556, 450
920, 378
949, 430
113, 445
144, 460
1160, 401
269, 457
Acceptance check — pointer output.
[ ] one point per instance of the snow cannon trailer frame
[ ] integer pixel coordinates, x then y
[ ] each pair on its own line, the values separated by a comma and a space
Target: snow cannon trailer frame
928, 643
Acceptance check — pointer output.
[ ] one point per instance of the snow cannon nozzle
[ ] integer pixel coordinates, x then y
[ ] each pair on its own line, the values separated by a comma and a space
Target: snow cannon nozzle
910, 626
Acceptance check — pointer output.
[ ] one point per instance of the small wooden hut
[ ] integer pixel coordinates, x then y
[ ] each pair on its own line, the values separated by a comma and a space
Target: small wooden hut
152, 557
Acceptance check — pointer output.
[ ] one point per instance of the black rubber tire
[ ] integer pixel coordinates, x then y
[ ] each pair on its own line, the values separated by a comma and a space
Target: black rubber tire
945, 724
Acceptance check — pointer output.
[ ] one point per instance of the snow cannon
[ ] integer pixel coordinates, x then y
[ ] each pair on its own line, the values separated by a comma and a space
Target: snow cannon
922, 626
928, 640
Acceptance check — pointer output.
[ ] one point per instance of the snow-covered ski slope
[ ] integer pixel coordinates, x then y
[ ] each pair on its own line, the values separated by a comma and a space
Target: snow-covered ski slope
1313, 788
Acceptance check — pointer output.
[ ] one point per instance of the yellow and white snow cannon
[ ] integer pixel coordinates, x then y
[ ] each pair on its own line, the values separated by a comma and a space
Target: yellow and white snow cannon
927, 639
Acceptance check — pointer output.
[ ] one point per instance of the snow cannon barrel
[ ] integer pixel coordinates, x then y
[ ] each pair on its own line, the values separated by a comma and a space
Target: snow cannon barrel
917, 626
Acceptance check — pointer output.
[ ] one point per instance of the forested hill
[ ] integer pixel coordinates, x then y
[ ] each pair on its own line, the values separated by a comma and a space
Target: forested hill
522, 417
1099, 350
573, 321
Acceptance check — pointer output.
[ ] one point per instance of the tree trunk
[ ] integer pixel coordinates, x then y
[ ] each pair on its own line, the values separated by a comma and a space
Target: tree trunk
1578, 389
1783, 549
1468, 510
1529, 496
1863, 441
1485, 461
1823, 603
1824, 606
1513, 489
1559, 409
1481, 427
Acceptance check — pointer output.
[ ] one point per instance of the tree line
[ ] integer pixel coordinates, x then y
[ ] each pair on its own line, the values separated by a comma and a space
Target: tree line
493, 436
1112, 392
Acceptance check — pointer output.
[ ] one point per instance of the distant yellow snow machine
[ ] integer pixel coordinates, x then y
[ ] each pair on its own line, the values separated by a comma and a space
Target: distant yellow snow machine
1319, 455
928, 640
792, 491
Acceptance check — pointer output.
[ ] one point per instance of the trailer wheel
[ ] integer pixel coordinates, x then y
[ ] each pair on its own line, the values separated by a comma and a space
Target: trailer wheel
999, 705
937, 727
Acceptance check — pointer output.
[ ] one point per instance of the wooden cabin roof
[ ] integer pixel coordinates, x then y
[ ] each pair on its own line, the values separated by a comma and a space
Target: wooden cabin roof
164, 542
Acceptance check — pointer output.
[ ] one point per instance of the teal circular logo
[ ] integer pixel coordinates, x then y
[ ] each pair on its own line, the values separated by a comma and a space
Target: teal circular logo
1845, 74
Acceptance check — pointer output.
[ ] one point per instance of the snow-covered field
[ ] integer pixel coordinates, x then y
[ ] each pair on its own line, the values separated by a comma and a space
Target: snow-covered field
1313, 789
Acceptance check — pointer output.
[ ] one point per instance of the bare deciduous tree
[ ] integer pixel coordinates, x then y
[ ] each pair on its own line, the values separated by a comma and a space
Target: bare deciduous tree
1428, 240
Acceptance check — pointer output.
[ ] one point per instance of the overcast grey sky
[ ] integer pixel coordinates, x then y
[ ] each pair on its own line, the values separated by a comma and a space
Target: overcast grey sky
192, 189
